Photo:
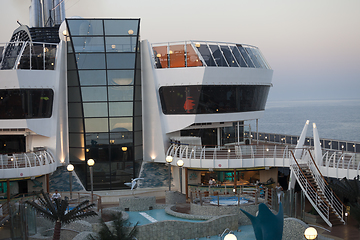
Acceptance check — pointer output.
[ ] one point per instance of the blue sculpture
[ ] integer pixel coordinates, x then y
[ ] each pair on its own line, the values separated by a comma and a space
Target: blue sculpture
267, 226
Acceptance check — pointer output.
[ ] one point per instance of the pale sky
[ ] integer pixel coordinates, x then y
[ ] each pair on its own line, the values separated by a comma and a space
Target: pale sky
312, 46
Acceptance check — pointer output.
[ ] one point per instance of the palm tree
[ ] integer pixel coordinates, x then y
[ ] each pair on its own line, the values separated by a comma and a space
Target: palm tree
120, 229
56, 211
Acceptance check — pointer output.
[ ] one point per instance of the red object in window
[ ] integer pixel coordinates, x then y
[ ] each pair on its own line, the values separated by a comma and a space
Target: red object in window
189, 104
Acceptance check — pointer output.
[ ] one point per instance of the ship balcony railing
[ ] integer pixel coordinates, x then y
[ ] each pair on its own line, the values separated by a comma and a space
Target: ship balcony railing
27, 56
27, 164
207, 54
259, 155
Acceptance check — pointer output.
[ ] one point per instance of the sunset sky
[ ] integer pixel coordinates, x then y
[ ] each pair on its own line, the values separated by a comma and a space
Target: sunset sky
312, 46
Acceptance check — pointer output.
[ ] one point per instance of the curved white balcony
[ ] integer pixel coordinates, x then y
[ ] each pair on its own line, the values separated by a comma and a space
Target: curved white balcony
28, 164
335, 164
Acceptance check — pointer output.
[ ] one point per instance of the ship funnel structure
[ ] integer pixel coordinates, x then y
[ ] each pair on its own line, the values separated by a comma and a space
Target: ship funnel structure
47, 13
35, 13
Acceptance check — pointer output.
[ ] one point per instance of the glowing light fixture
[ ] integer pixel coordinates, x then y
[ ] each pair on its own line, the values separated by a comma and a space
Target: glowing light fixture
130, 32
310, 233
70, 167
197, 44
230, 236
169, 159
90, 162
124, 149
158, 55
180, 163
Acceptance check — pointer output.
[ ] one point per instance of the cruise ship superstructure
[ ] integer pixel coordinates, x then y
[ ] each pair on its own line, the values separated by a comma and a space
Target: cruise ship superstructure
74, 89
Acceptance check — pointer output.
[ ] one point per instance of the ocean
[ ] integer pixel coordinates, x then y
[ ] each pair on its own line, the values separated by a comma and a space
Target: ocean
335, 119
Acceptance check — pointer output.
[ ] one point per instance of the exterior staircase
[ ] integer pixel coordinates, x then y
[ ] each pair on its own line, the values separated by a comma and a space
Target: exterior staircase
316, 189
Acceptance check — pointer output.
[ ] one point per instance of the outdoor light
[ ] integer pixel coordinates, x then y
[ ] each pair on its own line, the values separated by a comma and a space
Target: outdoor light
65, 33
180, 163
310, 233
169, 159
124, 149
70, 167
230, 236
130, 32
197, 44
158, 55
90, 162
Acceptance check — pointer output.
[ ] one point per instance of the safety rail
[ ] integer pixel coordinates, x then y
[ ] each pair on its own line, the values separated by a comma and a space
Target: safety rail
334, 163
323, 198
329, 194
27, 55
228, 151
26, 160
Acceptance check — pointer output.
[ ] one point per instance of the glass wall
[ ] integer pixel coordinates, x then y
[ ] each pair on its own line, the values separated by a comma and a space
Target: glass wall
204, 99
104, 82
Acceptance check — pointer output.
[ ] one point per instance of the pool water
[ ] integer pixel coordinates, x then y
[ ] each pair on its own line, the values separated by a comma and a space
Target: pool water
155, 215
228, 200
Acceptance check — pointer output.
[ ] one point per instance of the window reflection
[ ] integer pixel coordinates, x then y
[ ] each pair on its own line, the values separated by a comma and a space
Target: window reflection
96, 139
95, 109
177, 56
120, 60
121, 77
91, 77
96, 124
126, 27
212, 99
93, 94
120, 109
90, 61
191, 57
26, 103
205, 53
88, 44
121, 124
161, 54
229, 57
78, 27
120, 44
121, 93
219, 58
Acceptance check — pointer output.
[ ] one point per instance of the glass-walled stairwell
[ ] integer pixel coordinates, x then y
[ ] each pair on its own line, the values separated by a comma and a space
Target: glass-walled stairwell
104, 99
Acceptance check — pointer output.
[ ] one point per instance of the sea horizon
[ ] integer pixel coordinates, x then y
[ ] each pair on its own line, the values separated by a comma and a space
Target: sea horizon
335, 119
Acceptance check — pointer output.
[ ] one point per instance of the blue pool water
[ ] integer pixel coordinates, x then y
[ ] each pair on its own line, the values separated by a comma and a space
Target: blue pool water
228, 200
157, 215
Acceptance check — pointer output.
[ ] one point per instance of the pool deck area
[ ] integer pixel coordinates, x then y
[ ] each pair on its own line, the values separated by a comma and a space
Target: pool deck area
111, 199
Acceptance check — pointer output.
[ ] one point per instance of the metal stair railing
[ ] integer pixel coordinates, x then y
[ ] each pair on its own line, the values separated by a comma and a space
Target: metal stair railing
329, 194
319, 204
322, 199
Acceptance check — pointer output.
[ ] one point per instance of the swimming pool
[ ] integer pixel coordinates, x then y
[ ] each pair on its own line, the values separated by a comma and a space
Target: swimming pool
155, 215
228, 201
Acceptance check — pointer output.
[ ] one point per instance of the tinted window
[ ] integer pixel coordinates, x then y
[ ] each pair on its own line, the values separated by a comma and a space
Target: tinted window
212, 99
26, 103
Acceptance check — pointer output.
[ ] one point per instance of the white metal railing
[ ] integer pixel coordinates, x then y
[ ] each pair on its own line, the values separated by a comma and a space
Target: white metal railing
331, 159
26, 160
322, 198
27, 55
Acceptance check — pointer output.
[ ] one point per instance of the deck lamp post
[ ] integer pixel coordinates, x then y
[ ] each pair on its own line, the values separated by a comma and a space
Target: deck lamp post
91, 163
310, 233
70, 168
169, 159
180, 164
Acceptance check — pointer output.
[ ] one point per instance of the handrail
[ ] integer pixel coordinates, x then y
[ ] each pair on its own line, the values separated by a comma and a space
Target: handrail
25, 160
325, 180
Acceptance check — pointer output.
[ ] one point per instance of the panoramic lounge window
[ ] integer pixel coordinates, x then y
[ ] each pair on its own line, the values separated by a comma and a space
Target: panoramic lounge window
212, 99
26, 103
